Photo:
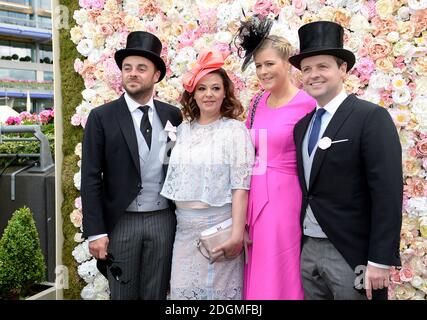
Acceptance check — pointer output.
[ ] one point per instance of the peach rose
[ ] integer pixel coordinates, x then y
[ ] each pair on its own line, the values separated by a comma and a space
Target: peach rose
76, 218
411, 167
419, 20
379, 48
342, 17
384, 64
420, 66
383, 26
384, 8
406, 30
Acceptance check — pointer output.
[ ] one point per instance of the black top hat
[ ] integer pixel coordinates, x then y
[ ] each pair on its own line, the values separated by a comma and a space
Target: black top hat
322, 37
144, 44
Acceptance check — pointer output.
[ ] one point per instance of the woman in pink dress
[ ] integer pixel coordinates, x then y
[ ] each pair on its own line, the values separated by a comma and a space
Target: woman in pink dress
273, 268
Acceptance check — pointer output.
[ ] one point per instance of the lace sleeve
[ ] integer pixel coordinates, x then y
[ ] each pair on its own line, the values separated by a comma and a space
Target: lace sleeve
241, 158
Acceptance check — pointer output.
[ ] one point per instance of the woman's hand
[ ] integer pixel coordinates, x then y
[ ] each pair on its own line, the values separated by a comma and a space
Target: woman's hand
232, 247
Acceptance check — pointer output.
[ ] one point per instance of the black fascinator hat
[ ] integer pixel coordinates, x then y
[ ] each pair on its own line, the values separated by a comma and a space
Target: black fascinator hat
250, 35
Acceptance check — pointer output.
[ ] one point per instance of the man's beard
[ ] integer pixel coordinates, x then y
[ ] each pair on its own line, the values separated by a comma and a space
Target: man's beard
145, 90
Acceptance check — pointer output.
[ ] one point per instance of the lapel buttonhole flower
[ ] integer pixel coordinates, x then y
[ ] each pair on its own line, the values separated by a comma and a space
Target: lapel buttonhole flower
171, 130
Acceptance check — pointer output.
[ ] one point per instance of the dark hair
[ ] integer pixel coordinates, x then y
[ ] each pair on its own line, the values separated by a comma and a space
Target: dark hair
339, 61
231, 107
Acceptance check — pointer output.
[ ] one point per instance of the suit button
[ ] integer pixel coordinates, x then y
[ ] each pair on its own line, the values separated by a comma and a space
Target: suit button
310, 197
139, 185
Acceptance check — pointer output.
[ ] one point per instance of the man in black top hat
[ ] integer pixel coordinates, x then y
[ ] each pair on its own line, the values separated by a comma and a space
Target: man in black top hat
350, 170
130, 226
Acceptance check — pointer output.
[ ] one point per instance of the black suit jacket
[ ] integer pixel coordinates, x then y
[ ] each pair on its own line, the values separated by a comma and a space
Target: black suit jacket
356, 187
110, 173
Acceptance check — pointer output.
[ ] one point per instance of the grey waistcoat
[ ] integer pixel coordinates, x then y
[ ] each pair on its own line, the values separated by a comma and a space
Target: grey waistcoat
151, 166
310, 225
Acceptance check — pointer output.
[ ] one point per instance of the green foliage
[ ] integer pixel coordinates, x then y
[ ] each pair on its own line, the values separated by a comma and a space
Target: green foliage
21, 259
71, 87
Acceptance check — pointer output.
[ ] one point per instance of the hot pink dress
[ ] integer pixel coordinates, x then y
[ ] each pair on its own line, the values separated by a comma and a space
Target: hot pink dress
273, 268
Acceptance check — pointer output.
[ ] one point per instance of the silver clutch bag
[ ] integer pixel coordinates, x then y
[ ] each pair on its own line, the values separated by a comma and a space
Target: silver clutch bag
213, 237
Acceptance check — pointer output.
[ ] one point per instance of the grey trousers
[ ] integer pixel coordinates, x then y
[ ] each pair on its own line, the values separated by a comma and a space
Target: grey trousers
141, 244
325, 273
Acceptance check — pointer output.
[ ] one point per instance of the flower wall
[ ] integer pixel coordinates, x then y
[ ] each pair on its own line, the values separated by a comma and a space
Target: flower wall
388, 37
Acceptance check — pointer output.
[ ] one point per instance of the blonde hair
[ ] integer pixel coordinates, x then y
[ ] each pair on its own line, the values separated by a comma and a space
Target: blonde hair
281, 44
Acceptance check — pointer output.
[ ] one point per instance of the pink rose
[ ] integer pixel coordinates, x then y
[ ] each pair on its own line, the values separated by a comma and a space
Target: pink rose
368, 10
75, 120
78, 203
78, 65
299, 6
395, 276
262, 7
83, 121
107, 30
406, 274
422, 147
365, 67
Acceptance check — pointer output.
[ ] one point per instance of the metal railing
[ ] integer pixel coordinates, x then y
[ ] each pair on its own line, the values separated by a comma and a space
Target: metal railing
45, 160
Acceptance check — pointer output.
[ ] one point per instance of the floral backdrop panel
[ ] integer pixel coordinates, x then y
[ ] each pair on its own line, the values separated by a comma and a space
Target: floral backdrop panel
388, 37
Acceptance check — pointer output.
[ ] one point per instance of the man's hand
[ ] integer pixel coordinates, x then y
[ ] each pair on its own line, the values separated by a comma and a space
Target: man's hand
375, 278
98, 248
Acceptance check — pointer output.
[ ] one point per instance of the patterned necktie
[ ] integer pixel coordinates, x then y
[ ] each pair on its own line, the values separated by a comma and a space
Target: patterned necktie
145, 126
314, 135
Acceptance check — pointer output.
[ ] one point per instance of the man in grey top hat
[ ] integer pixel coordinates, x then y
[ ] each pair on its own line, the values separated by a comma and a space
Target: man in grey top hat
130, 226
349, 162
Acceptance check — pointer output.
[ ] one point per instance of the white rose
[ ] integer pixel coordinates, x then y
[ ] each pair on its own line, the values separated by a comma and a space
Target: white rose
87, 270
417, 282
379, 80
85, 47
81, 16
313, 5
77, 180
402, 96
359, 24
353, 42
81, 252
403, 13
78, 237
88, 293
417, 206
406, 139
417, 4
88, 94
401, 48
131, 7
393, 37
94, 56
78, 149
419, 104
421, 88
224, 37
372, 95
89, 30
113, 41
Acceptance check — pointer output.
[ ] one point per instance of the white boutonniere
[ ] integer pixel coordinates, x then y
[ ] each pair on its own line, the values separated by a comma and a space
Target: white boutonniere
171, 130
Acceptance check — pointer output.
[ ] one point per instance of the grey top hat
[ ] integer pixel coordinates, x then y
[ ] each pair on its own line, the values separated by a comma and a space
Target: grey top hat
322, 37
144, 44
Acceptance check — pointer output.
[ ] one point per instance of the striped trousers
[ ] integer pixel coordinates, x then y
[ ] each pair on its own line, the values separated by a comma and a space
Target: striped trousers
141, 244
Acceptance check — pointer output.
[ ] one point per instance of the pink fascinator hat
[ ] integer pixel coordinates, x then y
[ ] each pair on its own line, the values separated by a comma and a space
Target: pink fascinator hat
207, 61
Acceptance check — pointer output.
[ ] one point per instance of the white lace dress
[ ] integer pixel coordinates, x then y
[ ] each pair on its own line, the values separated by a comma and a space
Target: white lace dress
207, 163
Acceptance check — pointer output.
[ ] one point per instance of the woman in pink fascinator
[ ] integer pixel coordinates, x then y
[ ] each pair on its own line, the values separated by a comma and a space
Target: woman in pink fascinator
208, 178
